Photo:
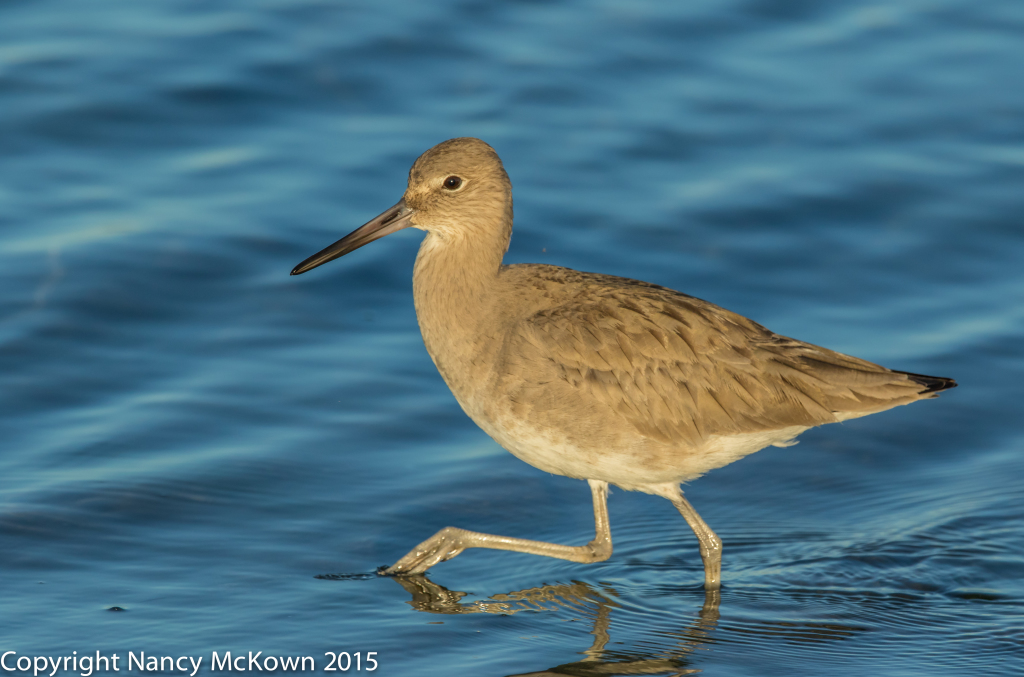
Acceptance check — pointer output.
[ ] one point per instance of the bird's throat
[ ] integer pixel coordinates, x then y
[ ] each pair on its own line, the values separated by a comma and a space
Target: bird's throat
454, 289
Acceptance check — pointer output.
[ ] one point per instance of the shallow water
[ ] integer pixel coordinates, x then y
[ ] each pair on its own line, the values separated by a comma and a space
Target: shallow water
226, 453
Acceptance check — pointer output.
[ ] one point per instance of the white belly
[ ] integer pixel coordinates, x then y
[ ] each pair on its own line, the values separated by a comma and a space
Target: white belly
630, 466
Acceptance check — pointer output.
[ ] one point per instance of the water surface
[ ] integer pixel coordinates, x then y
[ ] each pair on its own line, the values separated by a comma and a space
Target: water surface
192, 436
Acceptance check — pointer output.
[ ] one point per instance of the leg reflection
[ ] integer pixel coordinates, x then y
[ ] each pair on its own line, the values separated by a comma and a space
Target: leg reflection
674, 656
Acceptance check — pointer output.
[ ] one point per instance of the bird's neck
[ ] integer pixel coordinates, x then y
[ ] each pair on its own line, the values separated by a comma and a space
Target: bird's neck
455, 291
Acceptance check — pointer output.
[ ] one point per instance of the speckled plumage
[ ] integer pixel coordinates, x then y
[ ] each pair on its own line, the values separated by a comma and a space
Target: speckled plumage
599, 377
619, 367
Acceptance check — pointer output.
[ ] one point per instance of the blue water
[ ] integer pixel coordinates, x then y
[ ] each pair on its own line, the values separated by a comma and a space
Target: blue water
192, 436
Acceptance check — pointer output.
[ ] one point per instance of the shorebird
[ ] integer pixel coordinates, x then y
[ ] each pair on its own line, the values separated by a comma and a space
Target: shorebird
596, 377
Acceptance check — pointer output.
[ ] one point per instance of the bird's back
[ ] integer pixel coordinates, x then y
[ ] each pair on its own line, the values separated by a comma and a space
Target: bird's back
617, 362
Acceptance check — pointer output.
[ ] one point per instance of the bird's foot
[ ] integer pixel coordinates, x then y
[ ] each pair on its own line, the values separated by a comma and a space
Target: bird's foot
440, 547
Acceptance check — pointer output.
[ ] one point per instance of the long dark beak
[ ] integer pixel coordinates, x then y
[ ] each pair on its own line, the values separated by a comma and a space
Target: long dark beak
394, 219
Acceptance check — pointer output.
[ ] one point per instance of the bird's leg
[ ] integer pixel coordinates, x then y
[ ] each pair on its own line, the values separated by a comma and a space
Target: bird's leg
710, 543
450, 541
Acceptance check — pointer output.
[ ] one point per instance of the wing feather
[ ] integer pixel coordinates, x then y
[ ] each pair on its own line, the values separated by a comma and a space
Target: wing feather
679, 369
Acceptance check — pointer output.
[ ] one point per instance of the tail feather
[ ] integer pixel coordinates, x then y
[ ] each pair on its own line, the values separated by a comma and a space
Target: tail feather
932, 384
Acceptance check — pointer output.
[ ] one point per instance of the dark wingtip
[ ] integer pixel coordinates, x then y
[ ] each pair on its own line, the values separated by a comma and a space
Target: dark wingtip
932, 384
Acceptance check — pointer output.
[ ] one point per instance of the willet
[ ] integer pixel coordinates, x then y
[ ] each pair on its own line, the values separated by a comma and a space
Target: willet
596, 377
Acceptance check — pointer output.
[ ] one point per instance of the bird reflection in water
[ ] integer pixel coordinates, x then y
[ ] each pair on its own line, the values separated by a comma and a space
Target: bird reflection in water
430, 597
675, 652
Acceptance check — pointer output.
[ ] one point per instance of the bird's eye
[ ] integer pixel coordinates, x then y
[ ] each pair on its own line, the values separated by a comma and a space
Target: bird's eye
452, 183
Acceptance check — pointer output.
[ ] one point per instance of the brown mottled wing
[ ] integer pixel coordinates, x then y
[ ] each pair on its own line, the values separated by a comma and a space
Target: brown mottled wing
681, 369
